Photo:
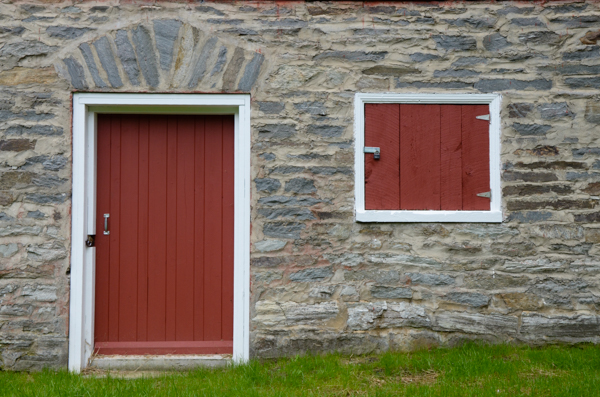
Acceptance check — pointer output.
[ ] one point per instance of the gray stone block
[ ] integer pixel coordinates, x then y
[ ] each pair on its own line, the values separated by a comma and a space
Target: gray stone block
107, 59
355, 56
585, 21
8, 250
311, 275
22, 49
267, 185
455, 43
527, 22
221, 60
52, 163
331, 170
36, 215
86, 50
127, 57
531, 129
431, 279
478, 23
542, 37
270, 245
40, 292
468, 61
76, 72
445, 85
166, 32
208, 9
583, 82
529, 216
277, 131
535, 326
515, 10
39, 198
381, 70
251, 73
287, 169
300, 185
233, 69
271, 107
592, 112
42, 130
201, 63
493, 85
553, 111
585, 53
16, 230
309, 314
581, 152
268, 156
315, 108
457, 73
145, 55
475, 323
385, 292
495, 42
301, 214
423, 57
284, 23
283, 229
383, 315
472, 299
325, 131
66, 32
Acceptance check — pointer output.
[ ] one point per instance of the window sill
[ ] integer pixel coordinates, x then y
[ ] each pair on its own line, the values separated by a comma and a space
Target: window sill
430, 216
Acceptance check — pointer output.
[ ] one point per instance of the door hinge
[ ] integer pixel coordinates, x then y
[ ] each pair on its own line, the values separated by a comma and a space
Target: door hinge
485, 194
91, 240
483, 117
375, 150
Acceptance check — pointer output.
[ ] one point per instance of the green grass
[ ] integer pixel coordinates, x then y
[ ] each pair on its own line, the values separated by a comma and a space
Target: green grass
470, 370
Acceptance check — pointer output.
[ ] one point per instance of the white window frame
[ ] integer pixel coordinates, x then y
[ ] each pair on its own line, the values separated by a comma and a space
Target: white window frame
86, 106
362, 215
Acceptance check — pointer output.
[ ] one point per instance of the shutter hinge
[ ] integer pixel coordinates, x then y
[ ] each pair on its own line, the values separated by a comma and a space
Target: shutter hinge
483, 117
375, 150
485, 194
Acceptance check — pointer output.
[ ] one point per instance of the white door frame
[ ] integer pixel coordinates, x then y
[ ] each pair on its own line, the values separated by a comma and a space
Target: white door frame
86, 106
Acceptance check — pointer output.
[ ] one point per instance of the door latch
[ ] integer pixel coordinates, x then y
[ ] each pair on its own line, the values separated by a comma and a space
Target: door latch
375, 150
91, 240
106, 231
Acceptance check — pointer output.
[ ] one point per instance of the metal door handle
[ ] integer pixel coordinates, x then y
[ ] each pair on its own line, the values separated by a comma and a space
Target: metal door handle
106, 232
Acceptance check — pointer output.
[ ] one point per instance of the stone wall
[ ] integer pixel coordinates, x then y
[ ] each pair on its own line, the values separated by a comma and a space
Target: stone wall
321, 281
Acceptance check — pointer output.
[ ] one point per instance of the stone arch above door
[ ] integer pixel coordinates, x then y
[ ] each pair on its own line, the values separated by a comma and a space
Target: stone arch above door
162, 55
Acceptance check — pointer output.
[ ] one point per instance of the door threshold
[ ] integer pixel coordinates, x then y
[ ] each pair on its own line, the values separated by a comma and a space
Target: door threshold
171, 362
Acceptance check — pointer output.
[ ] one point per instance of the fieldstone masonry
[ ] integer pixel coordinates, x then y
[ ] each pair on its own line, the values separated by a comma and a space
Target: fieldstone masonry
320, 280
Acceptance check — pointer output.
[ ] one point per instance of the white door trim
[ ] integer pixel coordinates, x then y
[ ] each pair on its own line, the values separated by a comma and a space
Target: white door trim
85, 108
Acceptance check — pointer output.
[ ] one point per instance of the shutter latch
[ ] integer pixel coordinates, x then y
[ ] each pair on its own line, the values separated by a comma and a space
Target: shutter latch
485, 194
483, 117
375, 150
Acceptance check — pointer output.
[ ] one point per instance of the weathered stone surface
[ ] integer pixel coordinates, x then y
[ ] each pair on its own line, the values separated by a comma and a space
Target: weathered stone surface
581, 54
365, 316
52, 163
40, 293
268, 185
46, 198
233, 68
430, 279
472, 299
146, 57
19, 76
541, 37
385, 292
17, 145
390, 70
251, 73
221, 60
583, 82
300, 214
424, 57
127, 57
457, 73
311, 274
76, 72
166, 32
562, 232
475, 323
554, 204
315, 108
527, 22
519, 110
354, 56
495, 42
86, 51
444, 85
22, 49
529, 176
455, 43
487, 22
529, 216
300, 185
536, 326
270, 245
531, 129
283, 229
47, 252
201, 63
107, 60
330, 170
66, 32
288, 201
492, 85
308, 314
8, 250
326, 131
20, 231
271, 107
522, 301
552, 111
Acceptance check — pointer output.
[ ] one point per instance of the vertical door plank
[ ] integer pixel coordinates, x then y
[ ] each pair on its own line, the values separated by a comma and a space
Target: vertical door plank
128, 228
102, 241
157, 201
171, 210
382, 177
199, 221
143, 227
451, 158
213, 230
113, 222
185, 229
228, 224
475, 157
419, 157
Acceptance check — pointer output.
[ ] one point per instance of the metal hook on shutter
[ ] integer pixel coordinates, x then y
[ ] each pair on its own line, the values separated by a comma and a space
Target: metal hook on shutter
375, 150
106, 232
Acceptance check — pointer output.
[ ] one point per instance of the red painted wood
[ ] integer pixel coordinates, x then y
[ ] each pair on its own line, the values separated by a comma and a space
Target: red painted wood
419, 157
165, 273
228, 228
382, 177
475, 157
451, 157
213, 229
161, 348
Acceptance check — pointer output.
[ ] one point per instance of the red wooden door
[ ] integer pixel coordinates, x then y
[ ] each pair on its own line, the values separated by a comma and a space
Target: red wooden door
164, 274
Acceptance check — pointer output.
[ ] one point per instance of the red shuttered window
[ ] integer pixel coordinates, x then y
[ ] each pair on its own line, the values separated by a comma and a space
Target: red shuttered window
433, 158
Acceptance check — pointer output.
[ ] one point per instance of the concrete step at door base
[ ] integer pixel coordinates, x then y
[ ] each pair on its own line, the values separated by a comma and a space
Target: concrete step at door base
159, 363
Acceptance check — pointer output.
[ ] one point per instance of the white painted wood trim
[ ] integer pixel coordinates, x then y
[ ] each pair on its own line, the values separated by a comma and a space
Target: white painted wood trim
362, 215
85, 108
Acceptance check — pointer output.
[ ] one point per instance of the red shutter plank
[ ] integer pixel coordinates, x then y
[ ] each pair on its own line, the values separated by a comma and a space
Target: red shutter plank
451, 158
382, 186
143, 228
419, 157
171, 239
475, 157
199, 183
113, 222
